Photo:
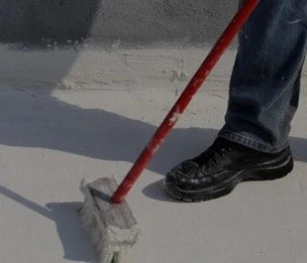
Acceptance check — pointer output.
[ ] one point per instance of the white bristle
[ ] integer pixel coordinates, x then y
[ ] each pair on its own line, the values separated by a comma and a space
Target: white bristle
109, 243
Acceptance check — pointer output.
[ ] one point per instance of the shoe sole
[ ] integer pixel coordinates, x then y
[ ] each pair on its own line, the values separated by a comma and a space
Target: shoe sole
270, 172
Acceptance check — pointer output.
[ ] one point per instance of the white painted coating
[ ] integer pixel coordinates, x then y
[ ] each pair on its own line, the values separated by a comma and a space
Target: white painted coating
94, 124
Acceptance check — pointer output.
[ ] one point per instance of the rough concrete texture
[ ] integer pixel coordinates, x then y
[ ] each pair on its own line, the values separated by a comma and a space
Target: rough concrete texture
129, 21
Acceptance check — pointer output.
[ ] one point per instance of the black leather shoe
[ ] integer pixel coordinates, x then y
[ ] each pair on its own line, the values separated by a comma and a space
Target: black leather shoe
217, 171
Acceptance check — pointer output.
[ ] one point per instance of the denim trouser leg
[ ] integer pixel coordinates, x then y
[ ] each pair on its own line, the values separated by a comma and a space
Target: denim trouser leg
265, 83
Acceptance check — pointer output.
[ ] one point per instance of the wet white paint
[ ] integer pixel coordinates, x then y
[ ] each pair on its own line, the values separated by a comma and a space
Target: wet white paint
62, 123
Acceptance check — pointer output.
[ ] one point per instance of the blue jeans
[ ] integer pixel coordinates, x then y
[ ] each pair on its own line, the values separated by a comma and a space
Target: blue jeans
265, 82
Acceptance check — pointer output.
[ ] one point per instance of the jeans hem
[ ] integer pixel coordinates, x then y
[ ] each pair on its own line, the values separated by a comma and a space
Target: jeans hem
249, 142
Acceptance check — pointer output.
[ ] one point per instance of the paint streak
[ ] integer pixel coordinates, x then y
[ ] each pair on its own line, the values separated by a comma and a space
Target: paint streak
295, 21
175, 118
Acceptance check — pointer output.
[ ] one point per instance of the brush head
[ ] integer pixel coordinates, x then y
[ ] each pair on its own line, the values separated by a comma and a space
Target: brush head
112, 228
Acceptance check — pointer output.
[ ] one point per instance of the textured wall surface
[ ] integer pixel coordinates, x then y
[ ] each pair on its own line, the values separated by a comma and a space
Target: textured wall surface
143, 21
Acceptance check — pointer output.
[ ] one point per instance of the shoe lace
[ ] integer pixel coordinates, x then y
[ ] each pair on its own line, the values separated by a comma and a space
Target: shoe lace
213, 155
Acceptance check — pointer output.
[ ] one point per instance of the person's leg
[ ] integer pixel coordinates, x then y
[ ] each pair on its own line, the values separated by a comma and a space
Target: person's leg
264, 94
265, 84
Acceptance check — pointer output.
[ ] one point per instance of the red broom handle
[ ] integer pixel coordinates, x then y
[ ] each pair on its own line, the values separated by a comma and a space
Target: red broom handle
166, 126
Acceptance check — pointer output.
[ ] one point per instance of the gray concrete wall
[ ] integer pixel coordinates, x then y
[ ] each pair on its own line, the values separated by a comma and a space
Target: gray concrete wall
130, 21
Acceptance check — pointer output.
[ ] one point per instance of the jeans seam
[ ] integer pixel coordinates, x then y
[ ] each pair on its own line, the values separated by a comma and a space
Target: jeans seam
247, 141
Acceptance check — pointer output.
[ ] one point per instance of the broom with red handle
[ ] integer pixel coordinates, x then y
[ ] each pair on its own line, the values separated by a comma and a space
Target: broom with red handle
166, 126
